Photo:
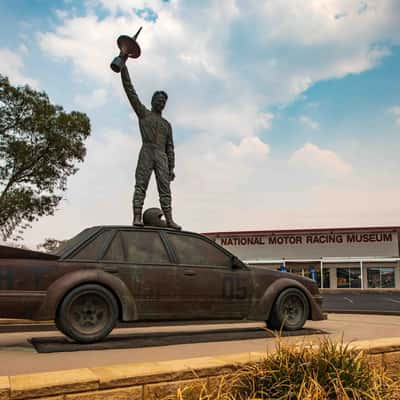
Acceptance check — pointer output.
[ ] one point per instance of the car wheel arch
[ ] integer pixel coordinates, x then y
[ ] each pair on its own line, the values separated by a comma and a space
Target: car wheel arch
63, 285
263, 308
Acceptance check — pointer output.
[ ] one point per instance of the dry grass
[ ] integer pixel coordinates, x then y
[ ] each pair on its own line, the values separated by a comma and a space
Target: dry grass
326, 371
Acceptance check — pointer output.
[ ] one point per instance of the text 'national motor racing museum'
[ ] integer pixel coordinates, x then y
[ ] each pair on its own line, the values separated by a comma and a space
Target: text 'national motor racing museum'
360, 258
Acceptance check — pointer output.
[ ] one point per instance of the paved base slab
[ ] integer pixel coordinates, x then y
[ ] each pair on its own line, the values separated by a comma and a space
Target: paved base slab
61, 344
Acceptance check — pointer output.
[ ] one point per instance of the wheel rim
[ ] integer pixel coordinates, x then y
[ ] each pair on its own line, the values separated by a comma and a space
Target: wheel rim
293, 310
89, 313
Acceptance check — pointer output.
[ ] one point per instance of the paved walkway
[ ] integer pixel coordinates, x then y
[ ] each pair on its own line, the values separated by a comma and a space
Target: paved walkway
18, 356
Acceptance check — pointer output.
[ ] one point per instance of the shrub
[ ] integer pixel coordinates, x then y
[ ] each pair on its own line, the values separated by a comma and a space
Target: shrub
328, 371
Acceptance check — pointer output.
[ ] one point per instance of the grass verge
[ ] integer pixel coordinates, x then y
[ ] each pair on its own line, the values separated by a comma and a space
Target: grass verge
325, 371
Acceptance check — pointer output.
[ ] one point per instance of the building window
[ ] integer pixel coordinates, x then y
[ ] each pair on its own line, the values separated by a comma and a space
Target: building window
327, 282
379, 277
348, 277
297, 270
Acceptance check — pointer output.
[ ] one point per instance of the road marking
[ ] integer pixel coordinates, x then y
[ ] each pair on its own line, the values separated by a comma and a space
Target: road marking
393, 301
350, 300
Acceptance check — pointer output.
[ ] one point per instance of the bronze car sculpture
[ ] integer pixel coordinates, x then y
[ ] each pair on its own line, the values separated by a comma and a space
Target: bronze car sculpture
107, 274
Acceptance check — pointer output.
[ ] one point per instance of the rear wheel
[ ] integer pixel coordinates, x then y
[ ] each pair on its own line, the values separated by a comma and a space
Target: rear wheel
290, 311
87, 313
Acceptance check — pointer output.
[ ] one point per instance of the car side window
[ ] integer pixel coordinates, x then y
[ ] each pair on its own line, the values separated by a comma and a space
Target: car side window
196, 251
144, 247
115, 251
91, 250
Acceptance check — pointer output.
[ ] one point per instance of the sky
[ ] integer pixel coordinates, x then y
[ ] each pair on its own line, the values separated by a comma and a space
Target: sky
285, 114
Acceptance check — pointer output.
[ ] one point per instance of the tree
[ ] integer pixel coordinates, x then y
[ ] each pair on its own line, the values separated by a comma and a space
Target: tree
40, 145
50, 245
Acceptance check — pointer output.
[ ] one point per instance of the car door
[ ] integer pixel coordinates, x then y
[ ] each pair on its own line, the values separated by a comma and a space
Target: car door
145, 266
207, 285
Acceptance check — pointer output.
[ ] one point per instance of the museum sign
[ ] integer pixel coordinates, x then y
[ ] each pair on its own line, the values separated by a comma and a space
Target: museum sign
350, 244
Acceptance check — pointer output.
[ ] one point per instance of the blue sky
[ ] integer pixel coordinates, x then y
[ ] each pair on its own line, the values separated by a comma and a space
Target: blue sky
285, 114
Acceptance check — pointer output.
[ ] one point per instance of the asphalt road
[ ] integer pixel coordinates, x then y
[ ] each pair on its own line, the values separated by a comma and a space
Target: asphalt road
367, 302
18, 355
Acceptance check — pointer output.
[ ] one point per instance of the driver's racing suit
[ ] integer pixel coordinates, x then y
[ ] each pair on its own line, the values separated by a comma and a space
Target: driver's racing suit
157, 152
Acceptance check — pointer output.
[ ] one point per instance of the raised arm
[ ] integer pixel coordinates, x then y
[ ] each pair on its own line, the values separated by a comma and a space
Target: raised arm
169, 149
136, 104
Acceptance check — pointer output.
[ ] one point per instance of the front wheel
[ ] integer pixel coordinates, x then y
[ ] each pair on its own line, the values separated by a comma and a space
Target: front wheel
87, 313
290, 311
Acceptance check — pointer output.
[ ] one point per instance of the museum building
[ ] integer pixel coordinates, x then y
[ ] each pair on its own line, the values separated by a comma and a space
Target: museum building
337, 258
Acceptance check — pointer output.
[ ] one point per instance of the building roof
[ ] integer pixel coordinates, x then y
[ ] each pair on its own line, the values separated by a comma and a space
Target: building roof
306, 230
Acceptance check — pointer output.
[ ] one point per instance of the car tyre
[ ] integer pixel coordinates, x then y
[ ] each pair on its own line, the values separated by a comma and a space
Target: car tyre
290, 311
87, 313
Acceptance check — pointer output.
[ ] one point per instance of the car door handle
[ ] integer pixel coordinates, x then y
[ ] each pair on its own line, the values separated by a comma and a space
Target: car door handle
189, 272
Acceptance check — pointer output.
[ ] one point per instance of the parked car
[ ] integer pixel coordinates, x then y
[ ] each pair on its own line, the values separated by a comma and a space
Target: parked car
107, 274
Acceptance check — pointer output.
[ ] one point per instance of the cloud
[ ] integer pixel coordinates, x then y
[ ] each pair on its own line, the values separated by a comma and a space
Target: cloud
100, 193
251, 147
313, 157
126, 6
355, 204
23, 49
222, 82
325, 206
396, 112
237, 119
96, 98
253, 55
12, 66
309, 122
315, 22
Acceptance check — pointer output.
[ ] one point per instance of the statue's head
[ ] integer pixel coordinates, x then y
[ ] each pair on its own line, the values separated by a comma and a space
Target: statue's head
158, 100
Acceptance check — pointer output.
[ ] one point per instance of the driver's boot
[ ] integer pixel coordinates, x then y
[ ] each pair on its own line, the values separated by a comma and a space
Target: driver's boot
137, 217
170, 222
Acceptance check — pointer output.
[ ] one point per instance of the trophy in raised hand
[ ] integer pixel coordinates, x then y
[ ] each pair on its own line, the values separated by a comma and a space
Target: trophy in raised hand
129, 48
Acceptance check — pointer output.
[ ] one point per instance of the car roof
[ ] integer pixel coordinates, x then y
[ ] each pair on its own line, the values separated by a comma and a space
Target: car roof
141, 228
87, 234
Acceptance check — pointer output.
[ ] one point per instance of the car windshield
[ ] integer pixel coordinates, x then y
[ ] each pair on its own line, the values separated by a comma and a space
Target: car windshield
67, 246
